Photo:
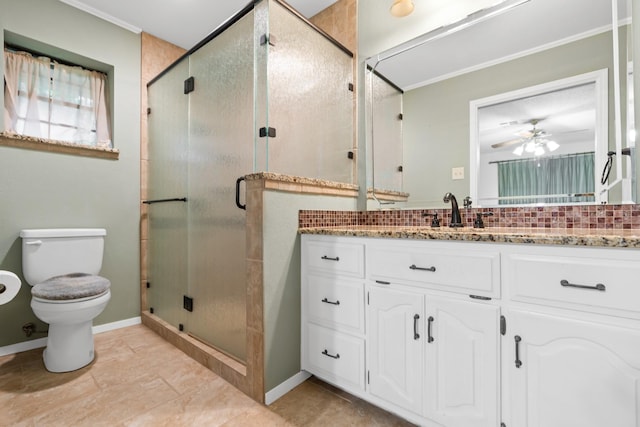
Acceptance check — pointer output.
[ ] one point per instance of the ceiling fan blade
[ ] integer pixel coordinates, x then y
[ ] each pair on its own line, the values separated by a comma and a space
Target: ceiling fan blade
526, 134
508, 143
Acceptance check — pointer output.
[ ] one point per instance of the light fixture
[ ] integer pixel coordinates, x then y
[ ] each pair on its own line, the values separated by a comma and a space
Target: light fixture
536, 146
401, 8
552, 145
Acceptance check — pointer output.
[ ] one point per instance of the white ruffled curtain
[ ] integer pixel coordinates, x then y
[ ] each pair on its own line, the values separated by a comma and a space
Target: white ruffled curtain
45, 99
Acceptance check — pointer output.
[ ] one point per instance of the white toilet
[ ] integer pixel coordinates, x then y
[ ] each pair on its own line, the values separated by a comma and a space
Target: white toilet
62, 265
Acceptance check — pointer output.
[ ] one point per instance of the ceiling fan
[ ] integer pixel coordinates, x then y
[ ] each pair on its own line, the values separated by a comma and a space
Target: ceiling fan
533, 141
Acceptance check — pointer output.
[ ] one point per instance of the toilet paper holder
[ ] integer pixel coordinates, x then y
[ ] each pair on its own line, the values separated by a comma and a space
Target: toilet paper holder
2, 288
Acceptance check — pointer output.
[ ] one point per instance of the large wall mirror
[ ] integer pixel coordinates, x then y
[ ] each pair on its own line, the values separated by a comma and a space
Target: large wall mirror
528, 102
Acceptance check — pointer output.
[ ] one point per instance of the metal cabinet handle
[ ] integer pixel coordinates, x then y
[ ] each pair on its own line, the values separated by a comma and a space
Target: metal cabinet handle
517, 340
598, 287
416, 335
238, 204
330, 258
326, 353
337, 302
429, 322
414, 267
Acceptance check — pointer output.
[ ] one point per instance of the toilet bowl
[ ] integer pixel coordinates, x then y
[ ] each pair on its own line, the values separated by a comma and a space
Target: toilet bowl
62, 265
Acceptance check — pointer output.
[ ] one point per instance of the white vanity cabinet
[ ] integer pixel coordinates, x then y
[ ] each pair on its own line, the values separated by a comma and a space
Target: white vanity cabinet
333, 344
572, 351
476, 334
431, 351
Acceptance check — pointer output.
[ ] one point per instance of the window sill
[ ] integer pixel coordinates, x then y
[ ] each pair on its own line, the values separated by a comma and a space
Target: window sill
31, 143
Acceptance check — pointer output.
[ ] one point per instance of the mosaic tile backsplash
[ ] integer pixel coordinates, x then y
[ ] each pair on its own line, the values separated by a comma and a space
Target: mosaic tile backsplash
590, 217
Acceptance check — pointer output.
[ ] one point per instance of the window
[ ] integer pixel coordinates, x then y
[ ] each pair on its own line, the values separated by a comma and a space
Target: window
46, 99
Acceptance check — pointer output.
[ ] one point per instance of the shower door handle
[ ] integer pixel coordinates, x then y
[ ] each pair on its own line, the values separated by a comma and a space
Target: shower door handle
238, 204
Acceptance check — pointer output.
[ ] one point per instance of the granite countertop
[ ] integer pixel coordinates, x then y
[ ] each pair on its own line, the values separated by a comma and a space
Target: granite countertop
548, 236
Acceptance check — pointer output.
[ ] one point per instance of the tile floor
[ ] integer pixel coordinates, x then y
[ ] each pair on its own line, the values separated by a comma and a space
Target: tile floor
138, 379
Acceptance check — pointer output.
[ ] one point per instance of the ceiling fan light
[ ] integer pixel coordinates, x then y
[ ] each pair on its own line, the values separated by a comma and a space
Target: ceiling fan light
552, 145
519, 150
401, 8
530, 147
539, 151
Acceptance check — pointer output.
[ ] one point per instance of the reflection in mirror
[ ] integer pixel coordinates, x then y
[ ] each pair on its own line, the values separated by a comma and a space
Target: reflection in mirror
489, 54
541, 145
386, 123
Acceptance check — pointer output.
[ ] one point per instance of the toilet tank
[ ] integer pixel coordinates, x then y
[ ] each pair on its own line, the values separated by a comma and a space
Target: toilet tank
53, 252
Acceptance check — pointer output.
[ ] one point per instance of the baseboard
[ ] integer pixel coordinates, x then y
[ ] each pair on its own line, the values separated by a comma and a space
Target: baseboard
283, 388
23, 346
117, 325
42, 342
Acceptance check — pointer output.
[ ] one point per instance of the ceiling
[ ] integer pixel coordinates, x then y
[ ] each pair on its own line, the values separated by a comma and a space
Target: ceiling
181, 22
534, 25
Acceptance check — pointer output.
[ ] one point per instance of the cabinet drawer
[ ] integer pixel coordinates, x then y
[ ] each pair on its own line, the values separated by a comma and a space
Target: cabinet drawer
335, 257
335, 356
447, 268
336, 302
575, 281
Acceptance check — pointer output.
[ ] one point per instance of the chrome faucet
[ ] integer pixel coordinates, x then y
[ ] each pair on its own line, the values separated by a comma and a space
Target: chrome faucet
456, 221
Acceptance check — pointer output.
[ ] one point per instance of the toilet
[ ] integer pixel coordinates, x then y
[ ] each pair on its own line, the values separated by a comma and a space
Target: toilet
62, 266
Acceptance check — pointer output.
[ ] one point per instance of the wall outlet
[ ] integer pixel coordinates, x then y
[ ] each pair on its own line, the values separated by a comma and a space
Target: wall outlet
457, 173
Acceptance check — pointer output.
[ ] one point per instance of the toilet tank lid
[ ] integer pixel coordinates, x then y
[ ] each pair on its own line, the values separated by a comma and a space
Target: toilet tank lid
61, 232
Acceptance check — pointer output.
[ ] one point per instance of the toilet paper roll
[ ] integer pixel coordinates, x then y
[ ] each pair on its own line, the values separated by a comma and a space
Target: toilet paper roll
9, 286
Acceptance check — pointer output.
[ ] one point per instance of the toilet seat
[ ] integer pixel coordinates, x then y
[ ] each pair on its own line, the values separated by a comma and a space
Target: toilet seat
69, 288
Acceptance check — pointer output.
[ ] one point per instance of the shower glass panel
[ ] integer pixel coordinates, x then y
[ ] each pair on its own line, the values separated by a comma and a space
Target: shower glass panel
220, 151
386, 130
202, 141
310, 103
167, 172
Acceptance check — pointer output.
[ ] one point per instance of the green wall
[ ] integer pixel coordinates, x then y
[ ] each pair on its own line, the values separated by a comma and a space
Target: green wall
46, 190
282, 278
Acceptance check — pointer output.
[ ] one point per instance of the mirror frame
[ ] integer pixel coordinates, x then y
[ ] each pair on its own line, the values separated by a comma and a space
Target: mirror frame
599, 77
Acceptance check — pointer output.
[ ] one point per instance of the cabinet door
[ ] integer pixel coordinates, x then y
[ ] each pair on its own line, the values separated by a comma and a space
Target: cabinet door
396, 346
462, 360
569, 372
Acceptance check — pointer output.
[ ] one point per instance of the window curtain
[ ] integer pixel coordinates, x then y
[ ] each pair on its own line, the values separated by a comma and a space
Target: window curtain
45, 99
569, 174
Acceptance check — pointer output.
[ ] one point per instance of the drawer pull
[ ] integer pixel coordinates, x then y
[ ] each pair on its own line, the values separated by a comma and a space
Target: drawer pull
326, 353
429, 322
416, 335
517, 340
337, 302
415, 267
330, 259
382, 282
598, 287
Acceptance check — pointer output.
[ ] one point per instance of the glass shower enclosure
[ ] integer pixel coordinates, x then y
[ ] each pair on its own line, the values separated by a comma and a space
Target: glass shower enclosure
264, 92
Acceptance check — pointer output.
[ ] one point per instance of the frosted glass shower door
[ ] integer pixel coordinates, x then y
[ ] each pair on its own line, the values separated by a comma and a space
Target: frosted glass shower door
310, 103
221, 139
167, 172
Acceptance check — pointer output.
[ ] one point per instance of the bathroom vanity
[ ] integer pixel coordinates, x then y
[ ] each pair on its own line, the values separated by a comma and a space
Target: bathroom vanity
464, 328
